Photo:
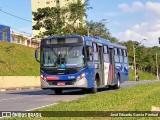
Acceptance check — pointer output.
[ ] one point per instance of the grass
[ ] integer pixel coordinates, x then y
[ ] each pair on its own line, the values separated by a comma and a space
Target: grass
142, 75
17, 60
137, 98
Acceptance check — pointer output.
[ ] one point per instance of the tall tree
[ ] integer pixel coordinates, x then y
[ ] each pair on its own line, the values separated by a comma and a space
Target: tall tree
64, 20
99, 29
76, 17
51, 19
145, 56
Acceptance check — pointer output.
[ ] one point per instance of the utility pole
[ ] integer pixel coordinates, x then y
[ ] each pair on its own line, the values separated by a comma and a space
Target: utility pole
157, 65
135, 68
134, 52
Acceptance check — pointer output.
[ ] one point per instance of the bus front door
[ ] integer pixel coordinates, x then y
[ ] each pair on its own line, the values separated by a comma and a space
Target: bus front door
111, 66
101, 65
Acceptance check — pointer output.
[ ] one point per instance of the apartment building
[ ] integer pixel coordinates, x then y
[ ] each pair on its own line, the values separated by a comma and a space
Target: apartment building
47, 3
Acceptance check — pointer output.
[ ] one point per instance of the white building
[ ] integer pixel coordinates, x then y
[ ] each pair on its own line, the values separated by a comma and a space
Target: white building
24, 40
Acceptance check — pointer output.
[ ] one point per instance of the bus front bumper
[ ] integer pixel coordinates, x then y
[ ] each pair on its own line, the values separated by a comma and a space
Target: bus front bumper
82, 83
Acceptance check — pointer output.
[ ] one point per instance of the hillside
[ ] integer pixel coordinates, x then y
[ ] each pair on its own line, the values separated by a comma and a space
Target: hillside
17, 60
142, 75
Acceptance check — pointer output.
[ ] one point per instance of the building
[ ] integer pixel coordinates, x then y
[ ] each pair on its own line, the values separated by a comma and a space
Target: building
24, 40
5, 33
47, 3
8, 36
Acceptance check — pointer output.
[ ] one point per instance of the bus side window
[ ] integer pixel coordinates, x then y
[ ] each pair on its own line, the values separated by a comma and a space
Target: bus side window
124, 53
95, 48
125, 56
95, 52
105, 50
116, 56
121, 55
106, 56
89, 53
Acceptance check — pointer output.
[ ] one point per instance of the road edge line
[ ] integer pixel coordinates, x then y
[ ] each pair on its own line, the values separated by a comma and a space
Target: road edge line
42, 106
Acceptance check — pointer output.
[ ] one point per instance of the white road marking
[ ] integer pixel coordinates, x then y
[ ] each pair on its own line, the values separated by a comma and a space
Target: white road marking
42, 106
14, 98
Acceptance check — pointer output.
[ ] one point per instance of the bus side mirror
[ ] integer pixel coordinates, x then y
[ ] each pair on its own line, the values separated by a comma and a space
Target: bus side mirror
36, 54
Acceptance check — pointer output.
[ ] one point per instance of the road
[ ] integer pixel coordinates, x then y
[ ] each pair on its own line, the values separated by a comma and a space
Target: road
26, 100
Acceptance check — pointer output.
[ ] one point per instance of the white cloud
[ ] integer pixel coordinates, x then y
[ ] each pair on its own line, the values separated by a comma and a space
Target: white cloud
136, 6
146, 30
149, 29
149, 7
153, 7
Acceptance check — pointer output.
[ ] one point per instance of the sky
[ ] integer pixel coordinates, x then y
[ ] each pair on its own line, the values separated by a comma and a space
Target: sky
126, 19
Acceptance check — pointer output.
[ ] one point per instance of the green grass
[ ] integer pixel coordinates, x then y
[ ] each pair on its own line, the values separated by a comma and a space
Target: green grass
137, 98
17, 60
142, 75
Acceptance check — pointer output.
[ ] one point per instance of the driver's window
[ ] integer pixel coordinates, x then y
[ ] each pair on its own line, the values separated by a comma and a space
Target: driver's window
89, 53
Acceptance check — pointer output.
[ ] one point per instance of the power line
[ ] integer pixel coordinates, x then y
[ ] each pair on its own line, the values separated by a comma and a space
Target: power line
18, 30
21, 31
15, 16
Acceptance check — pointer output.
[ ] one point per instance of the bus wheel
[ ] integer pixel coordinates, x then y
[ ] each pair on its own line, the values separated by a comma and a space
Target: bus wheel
58, 91
94, 89
117, 86
84, 91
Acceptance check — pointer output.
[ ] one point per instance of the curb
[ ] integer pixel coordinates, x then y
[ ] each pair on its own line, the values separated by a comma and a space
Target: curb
17, 89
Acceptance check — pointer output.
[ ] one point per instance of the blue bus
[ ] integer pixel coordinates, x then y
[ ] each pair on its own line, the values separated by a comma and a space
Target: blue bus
81, 62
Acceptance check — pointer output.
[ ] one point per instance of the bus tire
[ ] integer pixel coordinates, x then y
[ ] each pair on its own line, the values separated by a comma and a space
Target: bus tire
117, 86
58, 91
94, 89
84, 91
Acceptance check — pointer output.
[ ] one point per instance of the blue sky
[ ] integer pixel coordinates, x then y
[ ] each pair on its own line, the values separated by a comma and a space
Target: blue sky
127, 19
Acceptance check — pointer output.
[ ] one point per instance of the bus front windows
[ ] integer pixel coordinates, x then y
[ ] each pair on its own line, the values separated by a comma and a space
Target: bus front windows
69, 57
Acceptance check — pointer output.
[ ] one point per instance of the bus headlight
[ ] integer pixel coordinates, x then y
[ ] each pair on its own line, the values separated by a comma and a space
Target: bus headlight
81, 76
44, 78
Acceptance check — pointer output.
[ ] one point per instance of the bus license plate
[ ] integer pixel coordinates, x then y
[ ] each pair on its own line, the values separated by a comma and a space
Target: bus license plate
61, 83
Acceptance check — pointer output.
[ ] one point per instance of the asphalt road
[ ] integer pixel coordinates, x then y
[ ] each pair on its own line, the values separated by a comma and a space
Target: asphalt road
26, 100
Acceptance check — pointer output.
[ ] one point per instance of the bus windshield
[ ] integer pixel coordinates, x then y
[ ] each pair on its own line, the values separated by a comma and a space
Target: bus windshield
67, 56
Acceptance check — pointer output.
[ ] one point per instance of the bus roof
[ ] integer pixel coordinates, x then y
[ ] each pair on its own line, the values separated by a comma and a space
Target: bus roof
91, 38
103, 41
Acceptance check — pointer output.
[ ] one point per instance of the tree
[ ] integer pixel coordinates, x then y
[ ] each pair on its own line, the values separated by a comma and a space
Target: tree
99, 29
145, 56
64, 20
51, 19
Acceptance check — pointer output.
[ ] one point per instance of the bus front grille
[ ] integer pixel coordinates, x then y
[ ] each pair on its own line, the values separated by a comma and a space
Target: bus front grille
66, 82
